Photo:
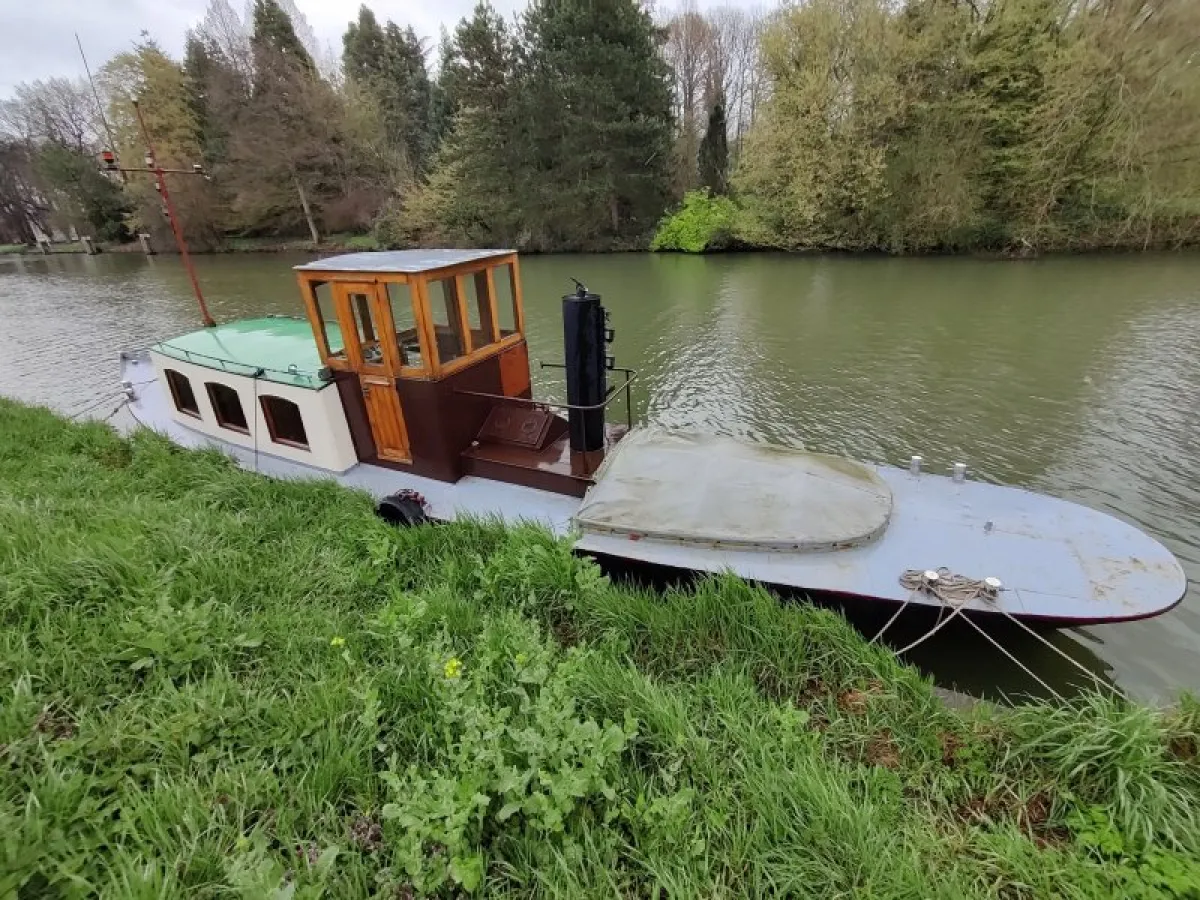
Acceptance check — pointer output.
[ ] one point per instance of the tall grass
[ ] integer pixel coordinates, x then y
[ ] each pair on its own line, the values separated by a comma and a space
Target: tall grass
219, 685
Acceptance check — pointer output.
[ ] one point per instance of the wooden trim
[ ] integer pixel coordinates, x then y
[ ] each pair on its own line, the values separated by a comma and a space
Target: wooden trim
308, 292
490, 350
360, 277
385, 298
174, 391
464, 315
270, 420
216, 408
489, 285
425, 328
345, 314
518, 298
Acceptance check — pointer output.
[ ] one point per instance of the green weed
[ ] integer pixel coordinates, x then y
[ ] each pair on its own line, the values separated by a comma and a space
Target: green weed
218, 685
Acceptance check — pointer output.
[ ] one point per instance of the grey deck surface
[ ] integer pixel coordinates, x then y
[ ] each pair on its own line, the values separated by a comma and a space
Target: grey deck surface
1060, 562
407, 261
718, 492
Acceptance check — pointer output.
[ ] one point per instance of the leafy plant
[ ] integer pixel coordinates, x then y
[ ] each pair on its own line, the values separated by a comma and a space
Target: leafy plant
703, 223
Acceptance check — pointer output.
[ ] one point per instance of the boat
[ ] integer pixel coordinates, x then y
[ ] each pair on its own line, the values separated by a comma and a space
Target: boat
409, 377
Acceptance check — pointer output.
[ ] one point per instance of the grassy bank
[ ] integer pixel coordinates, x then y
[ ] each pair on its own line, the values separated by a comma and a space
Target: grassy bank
219, 685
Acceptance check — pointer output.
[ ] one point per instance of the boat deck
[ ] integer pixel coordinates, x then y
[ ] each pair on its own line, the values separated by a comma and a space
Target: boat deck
1060, 563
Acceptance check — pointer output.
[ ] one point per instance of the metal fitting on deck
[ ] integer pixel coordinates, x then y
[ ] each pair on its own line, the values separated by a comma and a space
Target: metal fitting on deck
960, 472
914, 465
992, 587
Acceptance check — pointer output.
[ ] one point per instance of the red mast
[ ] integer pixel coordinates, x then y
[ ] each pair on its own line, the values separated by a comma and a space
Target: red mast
160, 174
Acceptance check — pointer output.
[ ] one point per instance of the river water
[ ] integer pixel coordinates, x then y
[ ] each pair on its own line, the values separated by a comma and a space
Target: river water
1078, 377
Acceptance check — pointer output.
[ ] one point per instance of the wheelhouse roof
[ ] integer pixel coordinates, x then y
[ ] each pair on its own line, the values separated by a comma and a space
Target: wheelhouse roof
282, 347
408, 262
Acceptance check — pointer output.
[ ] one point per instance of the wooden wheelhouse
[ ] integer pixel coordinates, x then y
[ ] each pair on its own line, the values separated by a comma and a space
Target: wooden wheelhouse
428, 351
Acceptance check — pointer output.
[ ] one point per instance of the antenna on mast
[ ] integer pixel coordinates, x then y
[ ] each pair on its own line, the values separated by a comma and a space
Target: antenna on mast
112, 144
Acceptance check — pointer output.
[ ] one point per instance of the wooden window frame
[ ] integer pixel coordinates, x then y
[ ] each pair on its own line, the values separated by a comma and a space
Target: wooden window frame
216, 407
418, 285
269, 417
173, 388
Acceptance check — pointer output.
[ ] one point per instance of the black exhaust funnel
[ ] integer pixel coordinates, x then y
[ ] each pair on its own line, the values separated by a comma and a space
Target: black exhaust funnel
584, 341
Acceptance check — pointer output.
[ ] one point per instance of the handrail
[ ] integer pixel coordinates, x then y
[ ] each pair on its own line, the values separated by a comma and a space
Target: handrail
630, 377
311, 377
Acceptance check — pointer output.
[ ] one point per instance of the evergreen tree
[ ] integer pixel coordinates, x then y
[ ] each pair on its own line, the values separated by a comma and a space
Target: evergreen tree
389, 63
273, 39
713, 156
363, 48
596, 108
408, 93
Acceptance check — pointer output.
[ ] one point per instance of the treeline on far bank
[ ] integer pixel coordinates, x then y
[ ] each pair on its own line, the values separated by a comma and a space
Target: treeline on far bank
914, 126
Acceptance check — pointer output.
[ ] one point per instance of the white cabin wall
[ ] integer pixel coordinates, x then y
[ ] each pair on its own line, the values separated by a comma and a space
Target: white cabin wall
329, 443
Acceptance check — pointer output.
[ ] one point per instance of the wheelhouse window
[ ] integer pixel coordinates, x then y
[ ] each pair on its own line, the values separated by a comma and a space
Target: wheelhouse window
367, 330
182, 393
404, 320
327, 313
505, 281
449, 330
479, 309
284, 422
227, 406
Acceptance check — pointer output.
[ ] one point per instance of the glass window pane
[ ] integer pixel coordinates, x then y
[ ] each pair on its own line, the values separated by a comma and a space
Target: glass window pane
506, 299
407, 337
323, 291
479, 309
364, 323
447, 323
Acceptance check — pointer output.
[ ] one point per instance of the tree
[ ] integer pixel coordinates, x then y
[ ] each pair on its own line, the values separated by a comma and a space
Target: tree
713, 159
23, 208
472, 195
595, 108
389, 63
275, 48
147, 76
689, 54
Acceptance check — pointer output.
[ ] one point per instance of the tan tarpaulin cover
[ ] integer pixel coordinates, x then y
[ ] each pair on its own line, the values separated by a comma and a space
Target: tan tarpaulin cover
705, 489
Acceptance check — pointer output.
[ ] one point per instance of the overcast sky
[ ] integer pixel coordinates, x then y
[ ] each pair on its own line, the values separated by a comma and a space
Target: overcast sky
39, 35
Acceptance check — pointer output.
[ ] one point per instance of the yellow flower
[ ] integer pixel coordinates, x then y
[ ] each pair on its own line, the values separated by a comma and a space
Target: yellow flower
453, 667
521, 659
338, 641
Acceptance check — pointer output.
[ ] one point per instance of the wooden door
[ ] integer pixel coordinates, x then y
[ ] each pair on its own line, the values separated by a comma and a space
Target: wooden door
386, 418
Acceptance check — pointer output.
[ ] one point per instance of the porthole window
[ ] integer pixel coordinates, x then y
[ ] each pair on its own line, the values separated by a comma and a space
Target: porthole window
284, 422
227, 406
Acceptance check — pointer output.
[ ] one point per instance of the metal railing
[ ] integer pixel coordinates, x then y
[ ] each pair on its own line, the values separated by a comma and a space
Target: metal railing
630, 377
312, 378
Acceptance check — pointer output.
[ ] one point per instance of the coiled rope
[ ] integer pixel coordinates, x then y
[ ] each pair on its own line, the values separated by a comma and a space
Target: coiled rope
955, 592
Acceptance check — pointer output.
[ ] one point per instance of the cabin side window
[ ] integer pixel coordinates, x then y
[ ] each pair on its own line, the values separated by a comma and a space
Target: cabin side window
404, 320
504, 279
479, 309
449, 330
181, 392
227, 406
327, 313
284, 422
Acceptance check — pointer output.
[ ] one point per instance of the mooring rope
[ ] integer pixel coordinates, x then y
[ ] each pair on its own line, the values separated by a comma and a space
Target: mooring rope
955, 592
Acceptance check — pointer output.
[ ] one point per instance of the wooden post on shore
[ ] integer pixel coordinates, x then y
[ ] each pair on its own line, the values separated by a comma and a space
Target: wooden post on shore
144, 240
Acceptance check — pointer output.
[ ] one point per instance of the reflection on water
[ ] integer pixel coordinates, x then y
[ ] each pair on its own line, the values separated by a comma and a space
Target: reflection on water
1076, 377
